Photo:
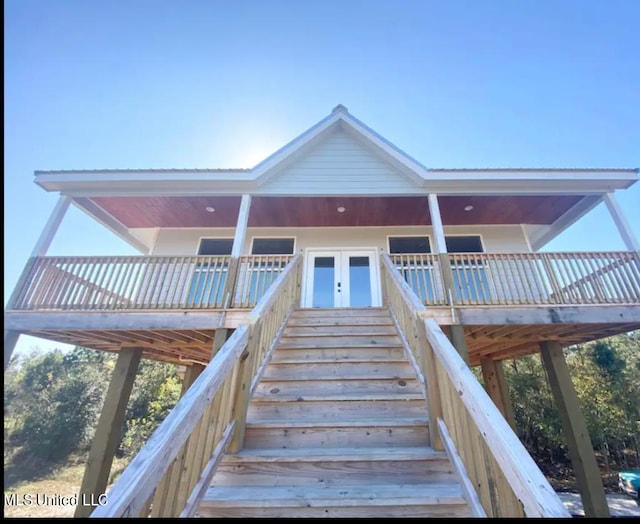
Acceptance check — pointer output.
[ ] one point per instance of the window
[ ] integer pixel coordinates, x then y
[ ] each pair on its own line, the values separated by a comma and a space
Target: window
210, 276
399, 245
469, 276
417, 272
463, 244
215, 246
272, 246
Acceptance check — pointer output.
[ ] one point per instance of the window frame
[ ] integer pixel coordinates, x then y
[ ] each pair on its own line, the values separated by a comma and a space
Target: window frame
479, 235
274, 237
200, 239
427, 236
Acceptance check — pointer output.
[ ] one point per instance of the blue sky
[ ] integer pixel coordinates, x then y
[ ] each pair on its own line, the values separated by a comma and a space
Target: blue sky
156, 83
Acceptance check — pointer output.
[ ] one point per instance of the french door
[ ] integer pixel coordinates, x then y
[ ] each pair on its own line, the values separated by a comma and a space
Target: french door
345, 278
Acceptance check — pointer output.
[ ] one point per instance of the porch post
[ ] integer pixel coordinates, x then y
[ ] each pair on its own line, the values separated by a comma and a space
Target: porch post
241, 226
108, 431
574, 425
51, 227
436, 223
39, 250
456, 331
497, 389
621, 222
236, 250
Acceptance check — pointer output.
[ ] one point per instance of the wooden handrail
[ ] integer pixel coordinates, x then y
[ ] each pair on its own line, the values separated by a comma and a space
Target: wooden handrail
481, 444
487, 279
145, 282
138, 481
168, 477
516, 469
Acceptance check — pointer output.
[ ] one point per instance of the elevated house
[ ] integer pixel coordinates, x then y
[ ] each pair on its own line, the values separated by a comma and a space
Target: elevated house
328, 305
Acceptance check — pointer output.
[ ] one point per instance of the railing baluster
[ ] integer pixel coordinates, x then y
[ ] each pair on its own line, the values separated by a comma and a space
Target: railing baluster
634, 283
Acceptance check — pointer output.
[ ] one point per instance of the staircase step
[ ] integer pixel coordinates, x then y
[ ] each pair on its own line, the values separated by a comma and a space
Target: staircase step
338, 423
347, 312
335, 455
341, 330
303, 389
379, 434
352, 409
358, 496
292, 396
321, 472
323, 354
350, 341
338, 321
350, 512
334, 466
344, 370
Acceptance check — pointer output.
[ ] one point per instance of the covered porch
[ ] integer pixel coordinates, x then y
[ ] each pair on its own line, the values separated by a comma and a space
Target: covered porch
171, 306
501, 304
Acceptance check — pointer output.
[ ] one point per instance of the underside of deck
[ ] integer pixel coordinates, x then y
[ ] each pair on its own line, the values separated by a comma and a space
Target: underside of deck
187, 337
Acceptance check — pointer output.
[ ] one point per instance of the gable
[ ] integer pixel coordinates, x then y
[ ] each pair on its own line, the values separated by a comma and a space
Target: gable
339, 164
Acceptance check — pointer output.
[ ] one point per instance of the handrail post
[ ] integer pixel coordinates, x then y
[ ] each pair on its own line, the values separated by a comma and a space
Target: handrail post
433, 387
231, 284
242, 393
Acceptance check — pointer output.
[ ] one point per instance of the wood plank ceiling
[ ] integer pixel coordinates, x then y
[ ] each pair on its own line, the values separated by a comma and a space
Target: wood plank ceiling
323, 211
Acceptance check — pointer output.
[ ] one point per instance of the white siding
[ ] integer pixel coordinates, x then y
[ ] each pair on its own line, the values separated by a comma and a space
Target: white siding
339, 165
496, 239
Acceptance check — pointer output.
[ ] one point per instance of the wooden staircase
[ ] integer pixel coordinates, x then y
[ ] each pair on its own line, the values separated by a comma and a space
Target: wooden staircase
337, 427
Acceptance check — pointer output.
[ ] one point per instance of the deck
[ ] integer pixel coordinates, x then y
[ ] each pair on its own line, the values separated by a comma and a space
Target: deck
170, 306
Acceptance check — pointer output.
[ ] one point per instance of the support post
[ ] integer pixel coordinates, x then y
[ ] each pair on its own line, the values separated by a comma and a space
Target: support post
456, 331
241, 226
190, 375
496, 386
436, 223
236, 250
108, 431
621, 222
220, 336
581, 452
39, 250
51, 227
10, 340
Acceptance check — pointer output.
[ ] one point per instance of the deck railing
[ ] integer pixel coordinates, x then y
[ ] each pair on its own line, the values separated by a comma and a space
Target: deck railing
498, 477
146, 282
489, 279
171, 473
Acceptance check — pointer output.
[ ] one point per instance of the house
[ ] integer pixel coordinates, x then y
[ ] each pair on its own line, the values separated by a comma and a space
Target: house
328, 305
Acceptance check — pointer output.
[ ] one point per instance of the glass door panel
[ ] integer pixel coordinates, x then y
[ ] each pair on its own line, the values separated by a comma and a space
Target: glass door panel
359, 291
324, 282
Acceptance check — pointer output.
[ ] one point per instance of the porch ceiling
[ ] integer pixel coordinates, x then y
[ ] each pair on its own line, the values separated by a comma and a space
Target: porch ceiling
190, 211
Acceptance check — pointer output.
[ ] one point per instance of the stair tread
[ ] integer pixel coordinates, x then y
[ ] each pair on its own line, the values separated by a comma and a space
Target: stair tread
336, 360
335, 454
382, 395
357, 495
338, 423
319, 377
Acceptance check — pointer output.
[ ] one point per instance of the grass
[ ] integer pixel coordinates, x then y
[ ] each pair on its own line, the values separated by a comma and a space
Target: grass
61, 481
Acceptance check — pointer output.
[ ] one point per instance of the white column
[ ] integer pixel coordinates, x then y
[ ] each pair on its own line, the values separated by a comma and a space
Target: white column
436, 222
241, 226
51, 227
621, 222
